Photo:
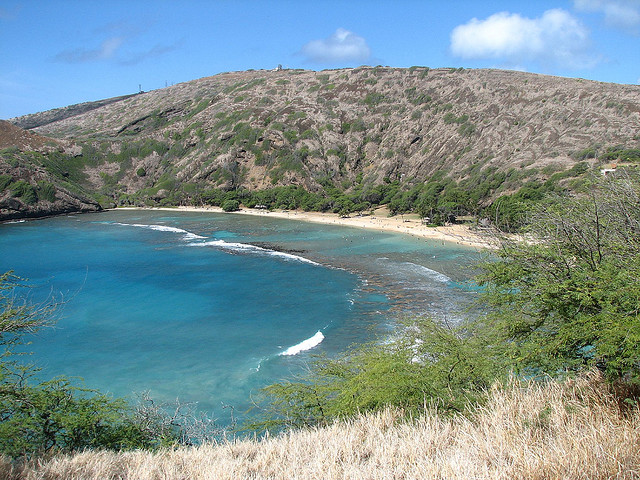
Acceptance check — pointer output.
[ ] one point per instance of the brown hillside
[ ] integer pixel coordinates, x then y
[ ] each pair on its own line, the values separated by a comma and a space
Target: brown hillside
348, 127
24, 140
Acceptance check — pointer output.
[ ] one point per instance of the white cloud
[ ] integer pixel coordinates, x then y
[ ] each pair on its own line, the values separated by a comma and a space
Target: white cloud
623, 14
556, 38
113, 49
107, 50
342, 46
138, 57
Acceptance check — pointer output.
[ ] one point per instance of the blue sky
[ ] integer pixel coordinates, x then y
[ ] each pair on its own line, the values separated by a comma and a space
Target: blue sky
55, 53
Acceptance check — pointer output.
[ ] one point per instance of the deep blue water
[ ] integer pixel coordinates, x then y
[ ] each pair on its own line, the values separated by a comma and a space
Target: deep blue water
201, 306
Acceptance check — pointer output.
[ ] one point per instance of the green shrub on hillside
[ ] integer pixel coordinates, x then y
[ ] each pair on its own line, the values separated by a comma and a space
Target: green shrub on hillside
291, 136
65, 167
199, 108
25, 191
46, 191
5, 181
585, 154
466, 129
374, 98
622, 154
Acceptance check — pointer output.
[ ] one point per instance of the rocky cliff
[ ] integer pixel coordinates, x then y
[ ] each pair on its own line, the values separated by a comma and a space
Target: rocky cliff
28, 187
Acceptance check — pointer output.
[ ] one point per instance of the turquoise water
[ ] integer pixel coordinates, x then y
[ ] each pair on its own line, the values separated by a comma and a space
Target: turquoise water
209, 308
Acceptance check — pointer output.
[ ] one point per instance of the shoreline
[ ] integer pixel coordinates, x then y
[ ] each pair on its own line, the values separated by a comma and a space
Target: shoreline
407, 224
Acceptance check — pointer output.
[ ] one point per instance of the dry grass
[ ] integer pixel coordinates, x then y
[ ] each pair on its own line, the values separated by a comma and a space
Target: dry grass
571, 430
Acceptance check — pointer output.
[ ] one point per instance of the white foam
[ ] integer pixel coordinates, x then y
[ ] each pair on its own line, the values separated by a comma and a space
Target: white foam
245, 247
257, 369
307, 344
427, 272
238, 247
163, 228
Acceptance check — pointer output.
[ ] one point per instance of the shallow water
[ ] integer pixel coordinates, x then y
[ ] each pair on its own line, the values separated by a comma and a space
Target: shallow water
209, 308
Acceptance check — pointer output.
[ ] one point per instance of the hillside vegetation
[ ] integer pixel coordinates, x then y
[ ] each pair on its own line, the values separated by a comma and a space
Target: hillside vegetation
442, 142
572, 430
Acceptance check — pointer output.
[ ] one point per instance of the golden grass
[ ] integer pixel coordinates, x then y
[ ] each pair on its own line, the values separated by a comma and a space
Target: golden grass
570, 430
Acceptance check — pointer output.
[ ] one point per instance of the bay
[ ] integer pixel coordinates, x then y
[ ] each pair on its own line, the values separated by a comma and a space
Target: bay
209, 308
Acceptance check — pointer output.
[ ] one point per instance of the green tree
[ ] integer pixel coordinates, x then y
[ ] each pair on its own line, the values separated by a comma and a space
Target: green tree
37, 417
56, 415
569, 298
231, 205
511, 213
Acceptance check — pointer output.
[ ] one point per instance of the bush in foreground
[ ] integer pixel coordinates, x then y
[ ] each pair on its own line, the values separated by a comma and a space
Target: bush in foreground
573, 429
569, 299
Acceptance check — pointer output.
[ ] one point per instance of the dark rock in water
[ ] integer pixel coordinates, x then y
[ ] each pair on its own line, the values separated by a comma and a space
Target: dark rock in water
278, 248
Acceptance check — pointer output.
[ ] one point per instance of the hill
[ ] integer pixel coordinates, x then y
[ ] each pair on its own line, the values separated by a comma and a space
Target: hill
57, 114
352, 137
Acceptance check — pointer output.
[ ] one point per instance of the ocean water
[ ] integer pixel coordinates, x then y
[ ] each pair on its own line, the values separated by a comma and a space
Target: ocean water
209, 308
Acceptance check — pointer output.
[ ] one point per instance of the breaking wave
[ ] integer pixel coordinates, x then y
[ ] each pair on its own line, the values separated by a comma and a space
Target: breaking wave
221, 244
427, 272
307, 344
163, 228
248, 248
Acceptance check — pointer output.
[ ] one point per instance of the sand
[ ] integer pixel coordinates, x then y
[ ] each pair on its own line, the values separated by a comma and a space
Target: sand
408, 224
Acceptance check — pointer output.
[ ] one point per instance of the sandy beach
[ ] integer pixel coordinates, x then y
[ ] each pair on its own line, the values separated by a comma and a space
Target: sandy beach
407, 224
